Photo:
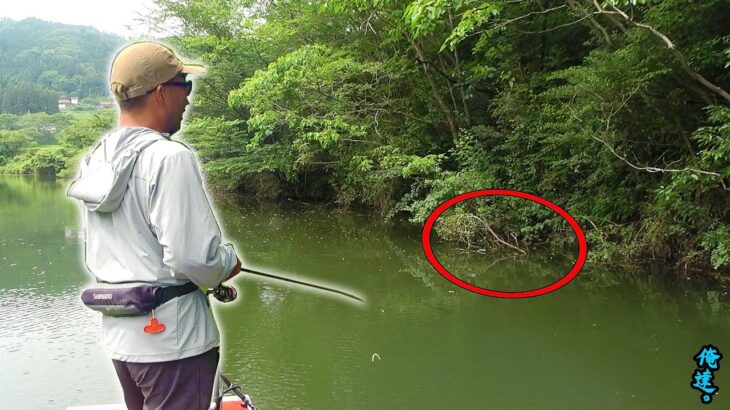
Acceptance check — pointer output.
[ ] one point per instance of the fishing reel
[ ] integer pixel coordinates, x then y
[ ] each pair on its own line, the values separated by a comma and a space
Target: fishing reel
223, 293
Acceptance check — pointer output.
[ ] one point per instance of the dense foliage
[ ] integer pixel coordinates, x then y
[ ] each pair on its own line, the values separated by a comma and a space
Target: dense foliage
22, 97
42, 61
49, 144
616, 110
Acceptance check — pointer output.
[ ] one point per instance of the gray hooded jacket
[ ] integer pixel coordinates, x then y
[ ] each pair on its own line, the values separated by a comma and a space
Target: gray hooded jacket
146, 218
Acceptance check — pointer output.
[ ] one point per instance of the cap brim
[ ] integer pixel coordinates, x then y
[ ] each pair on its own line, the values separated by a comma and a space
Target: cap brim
193, 69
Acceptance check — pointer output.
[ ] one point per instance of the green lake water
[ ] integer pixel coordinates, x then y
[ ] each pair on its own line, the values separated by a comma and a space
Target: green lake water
611, 339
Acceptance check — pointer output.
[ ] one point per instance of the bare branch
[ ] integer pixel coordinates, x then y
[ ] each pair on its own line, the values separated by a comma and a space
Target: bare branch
496, 237
556, 27
325, 163
662, 170
580, 10
649, 169
360, 141
608, 15
670, 45
510, 21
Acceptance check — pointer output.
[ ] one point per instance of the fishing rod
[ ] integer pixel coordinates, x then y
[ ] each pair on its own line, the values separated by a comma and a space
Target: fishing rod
311, 285
227, 294
236, 389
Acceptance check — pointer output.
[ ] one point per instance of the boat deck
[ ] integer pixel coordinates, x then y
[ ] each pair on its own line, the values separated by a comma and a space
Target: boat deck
229, 403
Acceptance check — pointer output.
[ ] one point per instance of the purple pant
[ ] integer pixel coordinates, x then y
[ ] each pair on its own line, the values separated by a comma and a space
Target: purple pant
178, 384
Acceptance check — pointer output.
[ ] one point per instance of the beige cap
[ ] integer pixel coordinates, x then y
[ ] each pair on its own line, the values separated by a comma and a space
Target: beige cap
142, 66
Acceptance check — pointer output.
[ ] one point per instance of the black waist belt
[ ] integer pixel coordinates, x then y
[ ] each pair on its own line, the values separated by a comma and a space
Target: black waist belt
168, 293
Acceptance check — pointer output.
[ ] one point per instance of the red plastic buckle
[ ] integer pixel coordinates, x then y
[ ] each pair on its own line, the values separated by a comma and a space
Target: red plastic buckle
154, 326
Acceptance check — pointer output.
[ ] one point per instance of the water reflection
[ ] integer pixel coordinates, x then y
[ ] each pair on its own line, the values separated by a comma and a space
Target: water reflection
612, 338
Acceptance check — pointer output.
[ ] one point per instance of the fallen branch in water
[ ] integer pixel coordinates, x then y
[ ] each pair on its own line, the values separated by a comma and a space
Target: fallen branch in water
494, 234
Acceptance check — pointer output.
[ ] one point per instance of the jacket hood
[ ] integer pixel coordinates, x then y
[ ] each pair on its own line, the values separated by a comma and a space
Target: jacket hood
104, 174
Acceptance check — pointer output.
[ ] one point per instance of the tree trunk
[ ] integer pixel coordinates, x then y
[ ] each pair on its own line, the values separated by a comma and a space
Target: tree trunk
450, 118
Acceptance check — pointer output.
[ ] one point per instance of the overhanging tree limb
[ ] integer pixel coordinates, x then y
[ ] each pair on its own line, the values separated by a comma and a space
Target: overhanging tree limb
662, 170
670, 45
649, 169
584, 13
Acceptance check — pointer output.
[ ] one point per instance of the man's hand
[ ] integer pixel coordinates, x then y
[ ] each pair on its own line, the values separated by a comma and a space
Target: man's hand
235, 271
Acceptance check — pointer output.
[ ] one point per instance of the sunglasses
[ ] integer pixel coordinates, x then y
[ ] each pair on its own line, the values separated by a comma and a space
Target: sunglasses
187, 84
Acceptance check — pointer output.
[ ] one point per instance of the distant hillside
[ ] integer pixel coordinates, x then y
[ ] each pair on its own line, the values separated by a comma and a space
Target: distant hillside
51, 60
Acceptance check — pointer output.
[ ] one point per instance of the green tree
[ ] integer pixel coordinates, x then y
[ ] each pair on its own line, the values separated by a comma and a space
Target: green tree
13, 143
616, 110
82, 133
63, 59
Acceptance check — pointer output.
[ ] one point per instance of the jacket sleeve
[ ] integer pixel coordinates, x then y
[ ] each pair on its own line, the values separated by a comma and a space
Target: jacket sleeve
182, 219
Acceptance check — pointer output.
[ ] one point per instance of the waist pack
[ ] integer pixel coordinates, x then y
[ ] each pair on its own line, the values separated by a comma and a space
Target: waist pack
131, 299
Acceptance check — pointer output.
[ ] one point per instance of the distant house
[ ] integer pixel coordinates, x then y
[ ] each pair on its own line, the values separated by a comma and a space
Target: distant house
63, 104
105, 104
74, 100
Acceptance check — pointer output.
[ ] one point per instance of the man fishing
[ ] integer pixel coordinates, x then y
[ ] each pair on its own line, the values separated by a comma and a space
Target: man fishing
151, 238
